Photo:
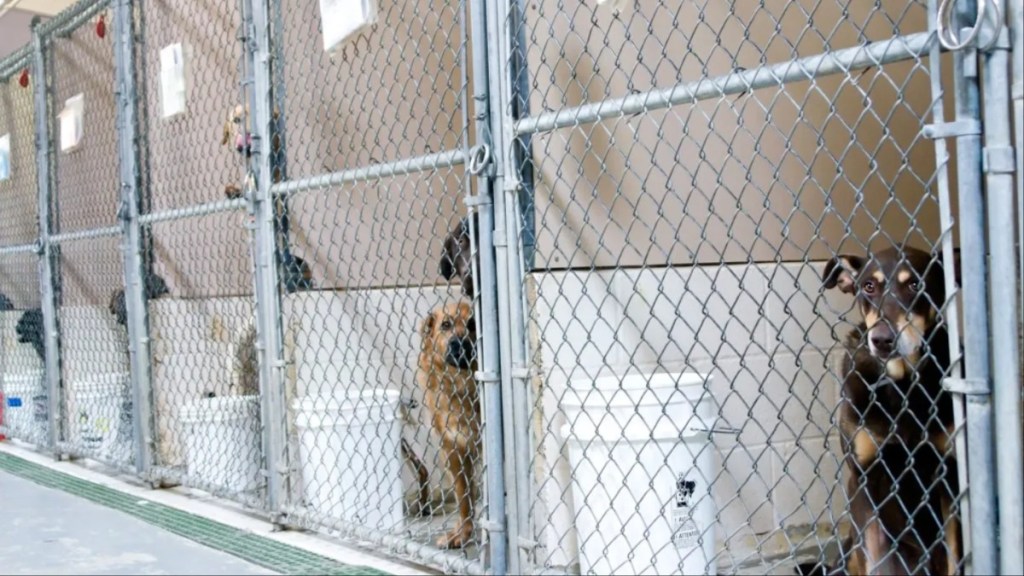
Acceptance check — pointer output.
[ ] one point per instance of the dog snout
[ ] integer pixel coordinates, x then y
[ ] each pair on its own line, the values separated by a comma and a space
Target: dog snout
461, 352
883, 340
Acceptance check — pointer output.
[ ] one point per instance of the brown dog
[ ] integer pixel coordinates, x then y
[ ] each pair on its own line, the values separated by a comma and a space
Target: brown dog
896, 420
236, 135
457, 256
446, 367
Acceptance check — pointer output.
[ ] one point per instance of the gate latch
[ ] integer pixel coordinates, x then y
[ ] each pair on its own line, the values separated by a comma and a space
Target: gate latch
952, 129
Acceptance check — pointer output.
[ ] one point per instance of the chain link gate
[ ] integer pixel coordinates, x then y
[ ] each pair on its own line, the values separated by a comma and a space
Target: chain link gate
677, 179
643, 207
22, 388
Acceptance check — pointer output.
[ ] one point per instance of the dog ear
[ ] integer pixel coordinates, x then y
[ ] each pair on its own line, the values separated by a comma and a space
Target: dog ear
447, 266
427, 326
842, 271
227, 133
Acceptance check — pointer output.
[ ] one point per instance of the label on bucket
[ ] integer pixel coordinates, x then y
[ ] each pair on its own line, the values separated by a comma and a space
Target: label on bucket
685, 533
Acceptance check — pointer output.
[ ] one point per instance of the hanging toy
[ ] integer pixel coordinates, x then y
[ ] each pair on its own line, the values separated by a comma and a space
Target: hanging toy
23, 79
101, 26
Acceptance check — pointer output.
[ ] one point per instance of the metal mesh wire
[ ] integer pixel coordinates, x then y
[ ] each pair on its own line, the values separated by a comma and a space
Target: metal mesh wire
692, 240
204, 371
720, 369
374, 246
21, 371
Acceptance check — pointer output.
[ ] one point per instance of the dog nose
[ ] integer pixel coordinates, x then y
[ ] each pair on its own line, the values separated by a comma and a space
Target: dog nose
883, 339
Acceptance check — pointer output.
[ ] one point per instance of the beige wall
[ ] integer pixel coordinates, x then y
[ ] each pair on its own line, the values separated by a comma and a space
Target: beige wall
18, 222
208, 256
772, 175
394, 93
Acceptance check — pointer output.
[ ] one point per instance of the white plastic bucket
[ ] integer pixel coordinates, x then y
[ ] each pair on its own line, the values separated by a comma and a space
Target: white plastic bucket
222, 441
25, 407
642, 468
350, 453
101, 415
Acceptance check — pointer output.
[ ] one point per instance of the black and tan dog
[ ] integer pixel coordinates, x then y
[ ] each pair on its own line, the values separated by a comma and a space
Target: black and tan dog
457, 256
445, 373
895, 418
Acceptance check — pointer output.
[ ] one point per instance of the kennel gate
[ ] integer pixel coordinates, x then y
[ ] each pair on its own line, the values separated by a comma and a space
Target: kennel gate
590, 127
586, 269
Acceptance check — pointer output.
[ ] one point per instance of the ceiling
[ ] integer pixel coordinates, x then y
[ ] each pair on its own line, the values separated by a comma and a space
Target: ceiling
44, 7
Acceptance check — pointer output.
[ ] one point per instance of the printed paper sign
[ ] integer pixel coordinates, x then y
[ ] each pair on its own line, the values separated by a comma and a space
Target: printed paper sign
172, 80
343, 19
5, 157
72, 123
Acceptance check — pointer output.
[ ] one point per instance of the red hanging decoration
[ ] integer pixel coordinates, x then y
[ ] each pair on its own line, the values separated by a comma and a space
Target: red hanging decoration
101, 26
23, 79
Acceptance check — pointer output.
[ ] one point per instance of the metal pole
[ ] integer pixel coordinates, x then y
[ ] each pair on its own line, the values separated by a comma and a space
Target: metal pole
951, 314
268, 304
490, 368
505, 86
981, 462
1016, 19
51, 325
134, 263
999, 164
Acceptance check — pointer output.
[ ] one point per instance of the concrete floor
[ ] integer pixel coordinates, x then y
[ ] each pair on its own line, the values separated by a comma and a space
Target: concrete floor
45, 531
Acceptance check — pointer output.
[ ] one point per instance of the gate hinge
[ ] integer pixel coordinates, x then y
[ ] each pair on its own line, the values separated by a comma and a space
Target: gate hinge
487, 377
473, 201
492, 527
967, 386
998, 160
953, 129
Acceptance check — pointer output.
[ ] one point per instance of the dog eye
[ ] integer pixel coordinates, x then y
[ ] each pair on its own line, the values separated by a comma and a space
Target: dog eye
446, 325
915, 286
868, 287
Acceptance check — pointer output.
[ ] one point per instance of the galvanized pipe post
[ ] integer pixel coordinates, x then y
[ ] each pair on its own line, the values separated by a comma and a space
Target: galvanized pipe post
131, 246
480, 163
270, 341
976, 385
939, 130
999, 166
51, 324
507, 80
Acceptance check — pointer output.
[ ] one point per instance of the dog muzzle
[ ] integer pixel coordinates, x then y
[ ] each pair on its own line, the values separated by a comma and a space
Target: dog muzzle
461, 353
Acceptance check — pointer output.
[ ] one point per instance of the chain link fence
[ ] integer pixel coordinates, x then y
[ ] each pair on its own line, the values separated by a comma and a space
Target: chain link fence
21, 367
523, 287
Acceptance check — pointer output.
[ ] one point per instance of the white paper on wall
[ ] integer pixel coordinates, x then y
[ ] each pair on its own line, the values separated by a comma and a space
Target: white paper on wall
172, 80
343, 19
5, 157
72, 123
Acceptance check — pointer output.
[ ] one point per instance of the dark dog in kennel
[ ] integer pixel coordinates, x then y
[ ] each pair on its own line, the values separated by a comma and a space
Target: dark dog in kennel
896, 419
445, 372
457, 255
30, 331
155, 288
5, 303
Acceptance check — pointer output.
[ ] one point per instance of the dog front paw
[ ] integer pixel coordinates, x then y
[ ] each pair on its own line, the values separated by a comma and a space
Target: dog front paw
457, 538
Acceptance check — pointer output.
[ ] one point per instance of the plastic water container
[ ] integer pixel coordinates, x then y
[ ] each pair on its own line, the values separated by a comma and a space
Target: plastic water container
350, 453
222, 442
100, 412
640, 451
25, 407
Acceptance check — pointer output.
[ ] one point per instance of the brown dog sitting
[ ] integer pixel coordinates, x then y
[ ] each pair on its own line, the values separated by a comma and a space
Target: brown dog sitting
457, 256
446, 367
896, 419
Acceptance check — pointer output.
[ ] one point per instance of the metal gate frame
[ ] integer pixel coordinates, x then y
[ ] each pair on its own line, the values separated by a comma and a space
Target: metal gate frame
981, 35
991, 537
